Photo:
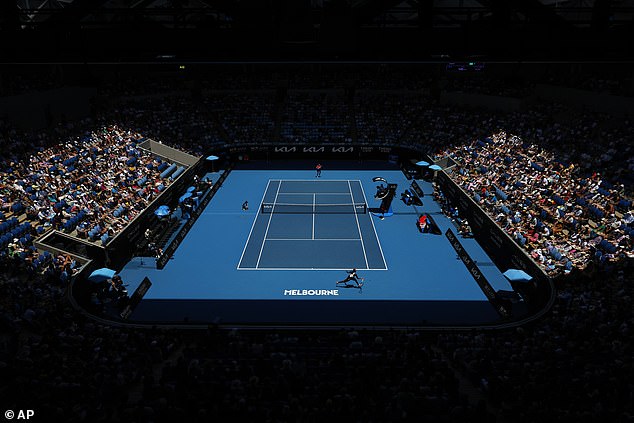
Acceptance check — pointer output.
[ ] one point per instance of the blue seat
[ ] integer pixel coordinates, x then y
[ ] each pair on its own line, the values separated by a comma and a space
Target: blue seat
178, 172
168, 171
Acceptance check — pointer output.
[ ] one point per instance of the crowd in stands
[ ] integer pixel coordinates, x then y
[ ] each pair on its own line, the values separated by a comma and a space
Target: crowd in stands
399, 78
481, 84
590, 142
574, 365
17, 80
137, 85
316, 118
241, 77
175, 120
91, 186
562, 218
71, 369
562, 176
244, 118
599, 83
384, 119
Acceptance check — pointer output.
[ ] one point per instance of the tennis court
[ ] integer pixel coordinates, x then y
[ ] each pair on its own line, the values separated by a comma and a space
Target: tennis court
279, 261
313, 225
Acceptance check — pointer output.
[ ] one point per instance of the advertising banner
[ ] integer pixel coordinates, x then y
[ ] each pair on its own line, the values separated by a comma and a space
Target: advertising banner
482, 282
136, 298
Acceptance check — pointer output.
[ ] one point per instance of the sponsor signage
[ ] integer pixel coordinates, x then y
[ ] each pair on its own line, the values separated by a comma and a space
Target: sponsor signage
335, 151
310, 292
342, 149
472, 267
314, 149
136, 298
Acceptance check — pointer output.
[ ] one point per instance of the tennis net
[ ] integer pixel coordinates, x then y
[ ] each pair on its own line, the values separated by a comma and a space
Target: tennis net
288, 208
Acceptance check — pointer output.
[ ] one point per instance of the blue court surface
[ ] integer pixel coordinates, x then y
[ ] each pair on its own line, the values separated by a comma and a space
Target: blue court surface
278, 262
313, 225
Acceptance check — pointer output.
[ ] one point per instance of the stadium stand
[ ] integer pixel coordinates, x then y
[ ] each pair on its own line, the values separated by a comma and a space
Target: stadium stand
556, 179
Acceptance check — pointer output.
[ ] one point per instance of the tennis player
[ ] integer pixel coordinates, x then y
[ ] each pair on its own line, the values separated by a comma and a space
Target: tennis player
423, 224
352, 276
318, 169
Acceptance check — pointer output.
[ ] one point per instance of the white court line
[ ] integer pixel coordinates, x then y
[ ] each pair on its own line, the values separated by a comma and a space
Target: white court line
313, 239
318, 193
314, 196
318, 269
254, 220
358, 226
268, 224
243, 213
312, 180
303, 239
373, 227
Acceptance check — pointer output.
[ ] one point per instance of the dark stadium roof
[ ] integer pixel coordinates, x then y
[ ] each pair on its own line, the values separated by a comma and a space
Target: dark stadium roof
213, 30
